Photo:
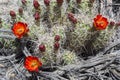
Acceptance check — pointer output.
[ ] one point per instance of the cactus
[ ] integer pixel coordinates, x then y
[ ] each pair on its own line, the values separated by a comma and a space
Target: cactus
69, 57
54, 31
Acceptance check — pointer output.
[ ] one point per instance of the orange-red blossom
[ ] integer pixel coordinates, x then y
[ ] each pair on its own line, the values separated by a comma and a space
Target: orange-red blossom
100, 22
32, 64
19, 29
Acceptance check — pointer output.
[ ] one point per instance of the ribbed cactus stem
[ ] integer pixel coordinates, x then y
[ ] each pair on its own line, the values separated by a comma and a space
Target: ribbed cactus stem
57, 13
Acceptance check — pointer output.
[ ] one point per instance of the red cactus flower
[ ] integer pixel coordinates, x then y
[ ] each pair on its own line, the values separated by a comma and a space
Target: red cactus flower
112, 23
42, 48
57, 38
20, 29
100, 22
36, 4
78, 1
47, 2
32, 64
12, 14
56, 45
59, 2
37, 16
20, 10
24, 2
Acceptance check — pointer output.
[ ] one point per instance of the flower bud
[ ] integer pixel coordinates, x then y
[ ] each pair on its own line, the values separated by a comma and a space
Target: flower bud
37, 16
56, 45
112, 23
24, 2
12, 14
57, 38
47, 2
42, 48
20, 11
70, 15
36, 4
72, 18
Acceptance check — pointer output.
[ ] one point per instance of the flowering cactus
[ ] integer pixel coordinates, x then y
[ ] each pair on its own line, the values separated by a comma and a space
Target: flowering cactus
52, 20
